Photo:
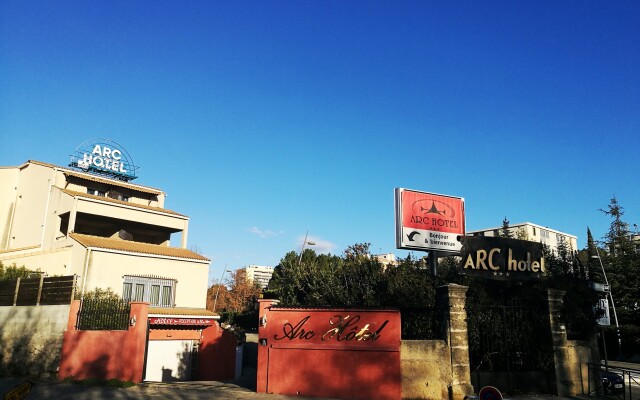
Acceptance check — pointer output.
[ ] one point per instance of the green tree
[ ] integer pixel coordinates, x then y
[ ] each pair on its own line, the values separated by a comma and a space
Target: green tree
622, 265
235, 300
505, 232
521, 234
356, 279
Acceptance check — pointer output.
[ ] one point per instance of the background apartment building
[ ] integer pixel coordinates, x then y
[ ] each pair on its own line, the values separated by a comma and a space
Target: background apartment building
260, 274
534, 233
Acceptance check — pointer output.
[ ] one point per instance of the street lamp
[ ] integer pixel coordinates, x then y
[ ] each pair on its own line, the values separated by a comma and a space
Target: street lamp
303, 244
613, 306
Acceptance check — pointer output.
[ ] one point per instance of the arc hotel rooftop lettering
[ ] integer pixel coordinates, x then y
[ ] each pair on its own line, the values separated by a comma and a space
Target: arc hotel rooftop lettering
104, 157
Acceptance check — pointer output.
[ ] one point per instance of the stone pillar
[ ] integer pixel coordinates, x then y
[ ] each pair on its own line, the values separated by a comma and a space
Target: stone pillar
451, 299
564, 383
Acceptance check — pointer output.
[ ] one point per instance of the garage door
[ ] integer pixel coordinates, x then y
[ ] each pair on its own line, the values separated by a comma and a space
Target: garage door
168, 360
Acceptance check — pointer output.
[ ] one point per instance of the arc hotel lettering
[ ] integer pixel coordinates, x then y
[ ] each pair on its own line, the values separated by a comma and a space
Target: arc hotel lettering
103, 158
501, 258
344, 328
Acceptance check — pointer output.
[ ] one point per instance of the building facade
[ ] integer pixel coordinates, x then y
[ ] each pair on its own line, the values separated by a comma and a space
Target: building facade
260, 274
534, 233
110, 232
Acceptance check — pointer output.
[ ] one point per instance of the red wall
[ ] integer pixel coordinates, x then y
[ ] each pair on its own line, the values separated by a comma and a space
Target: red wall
339, 353
120, 354
217, 355
105, 354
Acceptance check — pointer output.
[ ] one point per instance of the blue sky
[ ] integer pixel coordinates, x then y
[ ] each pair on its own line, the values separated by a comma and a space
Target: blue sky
262, 120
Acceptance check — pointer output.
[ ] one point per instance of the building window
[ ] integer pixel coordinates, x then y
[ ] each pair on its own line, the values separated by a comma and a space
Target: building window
96, 192
154, 298
159, 292
114, 194
534, 231
126, 291
166, 296
139, 292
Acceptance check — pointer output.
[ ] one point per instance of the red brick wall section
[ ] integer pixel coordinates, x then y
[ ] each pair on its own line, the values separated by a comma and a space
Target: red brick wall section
217, 354
340, 353
105, 354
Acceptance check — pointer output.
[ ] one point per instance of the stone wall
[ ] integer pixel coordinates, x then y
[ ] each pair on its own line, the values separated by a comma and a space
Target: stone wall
570, 356
426, 369
31, 339
579, 353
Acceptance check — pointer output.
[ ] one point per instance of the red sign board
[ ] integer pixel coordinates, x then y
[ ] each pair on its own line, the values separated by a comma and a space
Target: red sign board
364, 328
428, 221
181, 321
338, 353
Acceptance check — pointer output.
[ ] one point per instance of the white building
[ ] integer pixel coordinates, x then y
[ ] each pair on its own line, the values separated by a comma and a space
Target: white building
109, 232
260, 274
386, 259
534, 233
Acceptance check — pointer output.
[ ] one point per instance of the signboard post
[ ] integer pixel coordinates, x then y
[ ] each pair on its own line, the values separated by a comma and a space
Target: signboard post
429, 222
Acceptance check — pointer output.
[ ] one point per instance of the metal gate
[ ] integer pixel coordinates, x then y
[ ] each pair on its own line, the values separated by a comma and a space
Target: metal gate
510, 341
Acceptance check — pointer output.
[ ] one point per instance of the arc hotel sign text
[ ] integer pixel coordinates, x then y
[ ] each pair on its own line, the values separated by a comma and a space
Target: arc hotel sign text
501, 258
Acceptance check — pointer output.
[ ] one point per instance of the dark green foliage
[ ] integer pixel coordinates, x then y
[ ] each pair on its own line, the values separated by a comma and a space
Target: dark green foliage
621, 263
13, 272
356, 279
246, 321
102, 309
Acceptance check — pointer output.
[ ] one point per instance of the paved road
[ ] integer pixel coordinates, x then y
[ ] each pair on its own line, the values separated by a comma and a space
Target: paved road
43, 390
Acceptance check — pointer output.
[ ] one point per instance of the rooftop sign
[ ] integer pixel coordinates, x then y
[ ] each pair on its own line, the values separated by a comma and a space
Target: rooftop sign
428, 221
104, 157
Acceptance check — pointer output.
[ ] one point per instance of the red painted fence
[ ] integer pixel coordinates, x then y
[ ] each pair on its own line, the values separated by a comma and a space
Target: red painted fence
339, 353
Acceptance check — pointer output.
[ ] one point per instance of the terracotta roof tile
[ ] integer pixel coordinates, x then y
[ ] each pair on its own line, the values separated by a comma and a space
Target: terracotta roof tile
182, 311
110, 200
112, 182
135, 247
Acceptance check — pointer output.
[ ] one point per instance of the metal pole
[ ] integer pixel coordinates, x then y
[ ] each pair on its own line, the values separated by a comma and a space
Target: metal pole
433, 262
303, 243
215, 301
613, 305
604, 345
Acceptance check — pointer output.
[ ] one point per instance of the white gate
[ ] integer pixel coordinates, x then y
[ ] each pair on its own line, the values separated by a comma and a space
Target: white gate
169, 360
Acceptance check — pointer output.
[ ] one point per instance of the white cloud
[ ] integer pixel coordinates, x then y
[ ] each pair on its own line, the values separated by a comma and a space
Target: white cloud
263, 233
